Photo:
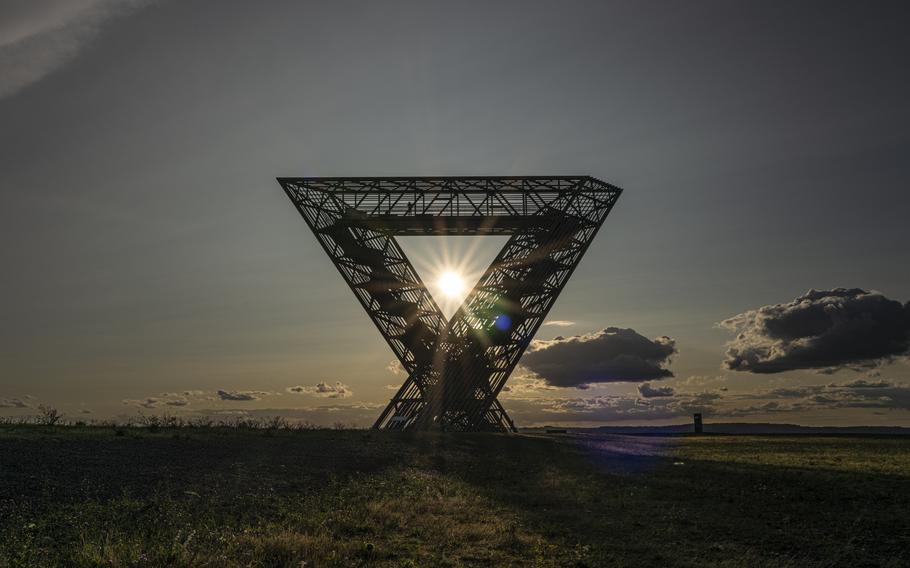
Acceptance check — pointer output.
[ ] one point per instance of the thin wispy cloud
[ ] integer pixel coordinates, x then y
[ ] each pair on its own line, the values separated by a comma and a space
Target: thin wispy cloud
609, 408
13, 403
157, 402
172, 400
39, 37
653, 402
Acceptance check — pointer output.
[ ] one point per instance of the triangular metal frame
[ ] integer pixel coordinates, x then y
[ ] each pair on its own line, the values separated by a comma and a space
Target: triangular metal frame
456, 367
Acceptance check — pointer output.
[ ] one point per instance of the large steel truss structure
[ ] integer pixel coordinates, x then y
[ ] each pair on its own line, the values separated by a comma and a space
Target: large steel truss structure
456, 368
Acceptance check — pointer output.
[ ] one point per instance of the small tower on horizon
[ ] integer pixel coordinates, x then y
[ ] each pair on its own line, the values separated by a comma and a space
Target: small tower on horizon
698, 426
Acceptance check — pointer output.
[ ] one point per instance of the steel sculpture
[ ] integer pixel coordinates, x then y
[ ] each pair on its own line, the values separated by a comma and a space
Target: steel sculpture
457, 367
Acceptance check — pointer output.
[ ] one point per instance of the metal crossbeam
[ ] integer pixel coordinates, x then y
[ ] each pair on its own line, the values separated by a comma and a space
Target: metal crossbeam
456, 368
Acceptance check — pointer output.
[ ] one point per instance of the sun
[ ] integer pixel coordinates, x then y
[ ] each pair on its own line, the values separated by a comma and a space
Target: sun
450, 283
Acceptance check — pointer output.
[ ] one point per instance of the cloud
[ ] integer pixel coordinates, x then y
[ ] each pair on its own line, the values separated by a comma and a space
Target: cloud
188, 398
890, 397
13, 403
608, 408
771, 407
647, 391
156, 402
864, 384
826, 330
703, 381
790, 392
242, 395
37, 38
361, 405
560, 323
881, 395
150, 402
611, 355
225, 412
524, 383
395, 367
171, 399
327, 390
181, 398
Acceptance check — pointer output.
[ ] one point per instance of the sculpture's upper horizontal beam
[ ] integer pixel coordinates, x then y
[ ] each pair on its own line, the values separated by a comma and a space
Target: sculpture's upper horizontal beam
448, 205
452, 184
374, 182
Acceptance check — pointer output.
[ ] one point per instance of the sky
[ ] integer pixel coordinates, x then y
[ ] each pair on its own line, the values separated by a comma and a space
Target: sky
151, 263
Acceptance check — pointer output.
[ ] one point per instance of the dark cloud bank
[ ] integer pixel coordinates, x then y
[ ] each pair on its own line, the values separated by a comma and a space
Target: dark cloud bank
240, 396
647, 391
608, 356
825, 330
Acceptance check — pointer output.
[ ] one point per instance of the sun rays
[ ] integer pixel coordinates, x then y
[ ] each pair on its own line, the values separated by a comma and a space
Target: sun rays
450, 266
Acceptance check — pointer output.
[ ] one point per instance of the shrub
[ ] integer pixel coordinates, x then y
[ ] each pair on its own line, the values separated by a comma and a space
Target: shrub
49, 416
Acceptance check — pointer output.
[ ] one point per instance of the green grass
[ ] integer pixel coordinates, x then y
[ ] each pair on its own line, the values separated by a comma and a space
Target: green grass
228, 497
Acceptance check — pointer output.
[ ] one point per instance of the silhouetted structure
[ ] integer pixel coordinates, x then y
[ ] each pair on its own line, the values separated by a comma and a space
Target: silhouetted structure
456, 368
698, 426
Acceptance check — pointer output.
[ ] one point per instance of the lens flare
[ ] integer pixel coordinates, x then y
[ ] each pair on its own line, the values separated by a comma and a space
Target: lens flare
450, 283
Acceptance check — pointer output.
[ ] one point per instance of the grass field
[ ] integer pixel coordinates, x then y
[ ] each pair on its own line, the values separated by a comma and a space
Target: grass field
228, 497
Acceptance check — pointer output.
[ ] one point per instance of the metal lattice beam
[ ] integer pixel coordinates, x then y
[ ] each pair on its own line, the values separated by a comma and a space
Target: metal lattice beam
456, 368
